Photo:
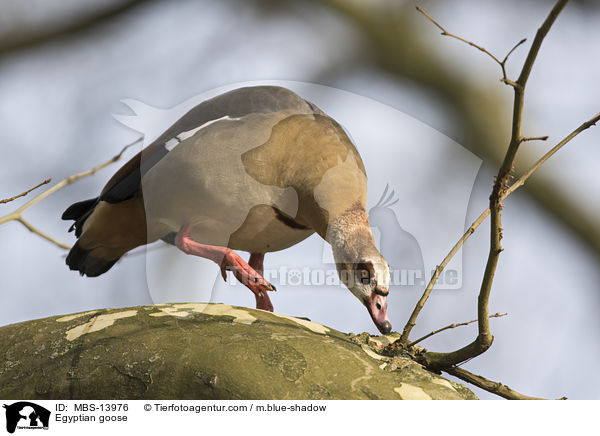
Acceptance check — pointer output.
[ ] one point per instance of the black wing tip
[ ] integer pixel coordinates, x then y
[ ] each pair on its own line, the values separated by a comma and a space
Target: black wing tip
77, 210
80, 259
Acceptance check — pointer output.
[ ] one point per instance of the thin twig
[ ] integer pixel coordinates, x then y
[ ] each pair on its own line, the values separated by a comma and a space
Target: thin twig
38, 232
534, 138
17, 214
488, 385
516, 185
523, 41
451, 326
23, 194
436, 274
502, 63
504, 78
521, 181
446, 33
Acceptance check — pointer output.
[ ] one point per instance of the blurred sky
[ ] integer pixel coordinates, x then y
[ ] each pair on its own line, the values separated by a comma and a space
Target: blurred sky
55, 120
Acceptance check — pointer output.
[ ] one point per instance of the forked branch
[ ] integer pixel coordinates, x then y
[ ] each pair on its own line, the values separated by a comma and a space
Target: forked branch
501, 63
516, 185
452, 326
499, 192
17, 215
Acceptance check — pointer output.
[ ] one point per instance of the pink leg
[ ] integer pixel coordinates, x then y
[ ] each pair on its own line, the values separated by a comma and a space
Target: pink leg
227, 259
262, 301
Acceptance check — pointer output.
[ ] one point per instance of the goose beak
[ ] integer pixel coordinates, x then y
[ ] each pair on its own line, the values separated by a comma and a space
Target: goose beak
377, 307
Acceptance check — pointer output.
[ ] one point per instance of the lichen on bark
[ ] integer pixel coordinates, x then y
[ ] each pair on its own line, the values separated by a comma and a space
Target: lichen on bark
204, 351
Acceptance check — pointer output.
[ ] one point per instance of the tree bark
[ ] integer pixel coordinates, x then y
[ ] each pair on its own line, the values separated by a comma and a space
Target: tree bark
204, 351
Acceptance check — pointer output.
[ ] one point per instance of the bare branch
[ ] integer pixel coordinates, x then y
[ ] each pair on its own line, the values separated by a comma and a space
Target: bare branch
38, 232
23, 194
446, 33
438, 270
537, 42
516, 185
488, 385
501, 63
452, 326
484, 339
523, 41
395, 47
534, 138
17, 214
521, 181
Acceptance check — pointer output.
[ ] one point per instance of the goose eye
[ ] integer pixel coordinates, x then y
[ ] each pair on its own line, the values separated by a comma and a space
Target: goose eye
365, 276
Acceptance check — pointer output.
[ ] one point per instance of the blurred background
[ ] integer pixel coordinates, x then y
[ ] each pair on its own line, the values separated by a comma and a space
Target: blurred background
65, 66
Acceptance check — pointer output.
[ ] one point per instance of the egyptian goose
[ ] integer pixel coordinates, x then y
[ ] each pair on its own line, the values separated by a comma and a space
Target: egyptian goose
256, 169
